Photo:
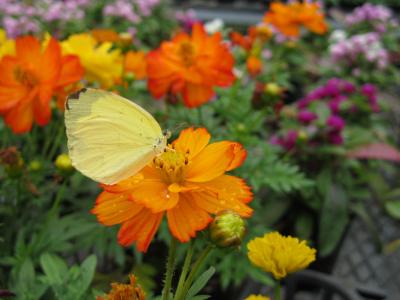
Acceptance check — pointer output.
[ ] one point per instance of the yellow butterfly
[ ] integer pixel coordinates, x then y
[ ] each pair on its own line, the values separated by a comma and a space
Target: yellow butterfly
109, 137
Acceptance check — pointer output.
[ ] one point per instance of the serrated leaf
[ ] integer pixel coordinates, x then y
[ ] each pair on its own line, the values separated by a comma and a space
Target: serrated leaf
333, 221
200, 282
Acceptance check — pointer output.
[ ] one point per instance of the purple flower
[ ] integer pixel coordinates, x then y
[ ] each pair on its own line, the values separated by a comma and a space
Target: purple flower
306, 116
288, 142
334, 103
335, 138
368, 90
335, 123
348, 87
187, 19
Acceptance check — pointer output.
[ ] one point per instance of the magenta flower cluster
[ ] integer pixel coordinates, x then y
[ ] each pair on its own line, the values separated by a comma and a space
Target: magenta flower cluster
23, 17
130, 10
186, 19
338, 96
355, 50
19, 17
378, 15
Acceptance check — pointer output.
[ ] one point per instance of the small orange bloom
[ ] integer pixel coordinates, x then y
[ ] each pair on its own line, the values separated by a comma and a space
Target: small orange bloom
187, 183
120, 291
30, 78
105, 35
191, 66
288, 18
254, 65
135, 62
255, 35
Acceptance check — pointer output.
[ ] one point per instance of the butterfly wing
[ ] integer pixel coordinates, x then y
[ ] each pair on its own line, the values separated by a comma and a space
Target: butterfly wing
109, 137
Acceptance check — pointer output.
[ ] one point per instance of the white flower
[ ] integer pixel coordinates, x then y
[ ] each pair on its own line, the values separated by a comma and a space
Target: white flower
337, 36
214, 26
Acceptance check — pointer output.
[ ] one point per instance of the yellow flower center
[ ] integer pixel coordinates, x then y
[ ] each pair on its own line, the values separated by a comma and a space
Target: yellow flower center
25, 77
186, 52
171, 165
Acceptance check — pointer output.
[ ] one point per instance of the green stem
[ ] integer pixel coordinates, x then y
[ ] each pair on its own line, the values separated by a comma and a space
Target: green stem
278, 291
58, 199
200, 116
185, 270
196, 267
57, 140
170, 269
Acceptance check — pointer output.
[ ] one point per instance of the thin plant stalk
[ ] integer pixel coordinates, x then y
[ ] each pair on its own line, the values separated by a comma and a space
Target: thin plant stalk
170, 269
196, 267
278, 295
185, 270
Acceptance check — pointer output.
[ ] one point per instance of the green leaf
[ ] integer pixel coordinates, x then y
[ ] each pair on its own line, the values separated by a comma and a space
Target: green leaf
304, 226
200, 282
393, 208
199, 297
87, 270
26, 274
333, 221
260, 276
54, 268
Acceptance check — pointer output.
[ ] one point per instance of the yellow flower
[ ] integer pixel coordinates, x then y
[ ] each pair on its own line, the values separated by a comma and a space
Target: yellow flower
7, 46
120, 291
257, 297
280, 255
101, 64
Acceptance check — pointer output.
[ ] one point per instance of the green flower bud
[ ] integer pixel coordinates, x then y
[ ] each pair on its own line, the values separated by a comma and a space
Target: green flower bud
302, 136
63, 163
35, 165
227, 229
272, 89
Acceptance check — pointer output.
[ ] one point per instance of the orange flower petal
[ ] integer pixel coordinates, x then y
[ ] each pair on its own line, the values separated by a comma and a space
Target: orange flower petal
125, 185
240, 155
192, 141
111, 209
42, 110
8, 65
224, 192
195, 95
154, 195
135, 62
27, 49
71, 70
10, 96
49, 63
186, 218
211, 162
20, 118
140, 229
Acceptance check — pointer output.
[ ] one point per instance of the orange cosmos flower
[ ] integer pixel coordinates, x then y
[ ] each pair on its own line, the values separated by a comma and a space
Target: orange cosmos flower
135, 62
254, 65
186, 183
30, 78
258, 35
120, 291
288, 18
191, 66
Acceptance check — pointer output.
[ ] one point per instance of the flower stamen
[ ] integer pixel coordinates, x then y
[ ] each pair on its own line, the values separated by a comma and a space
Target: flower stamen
171, 165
